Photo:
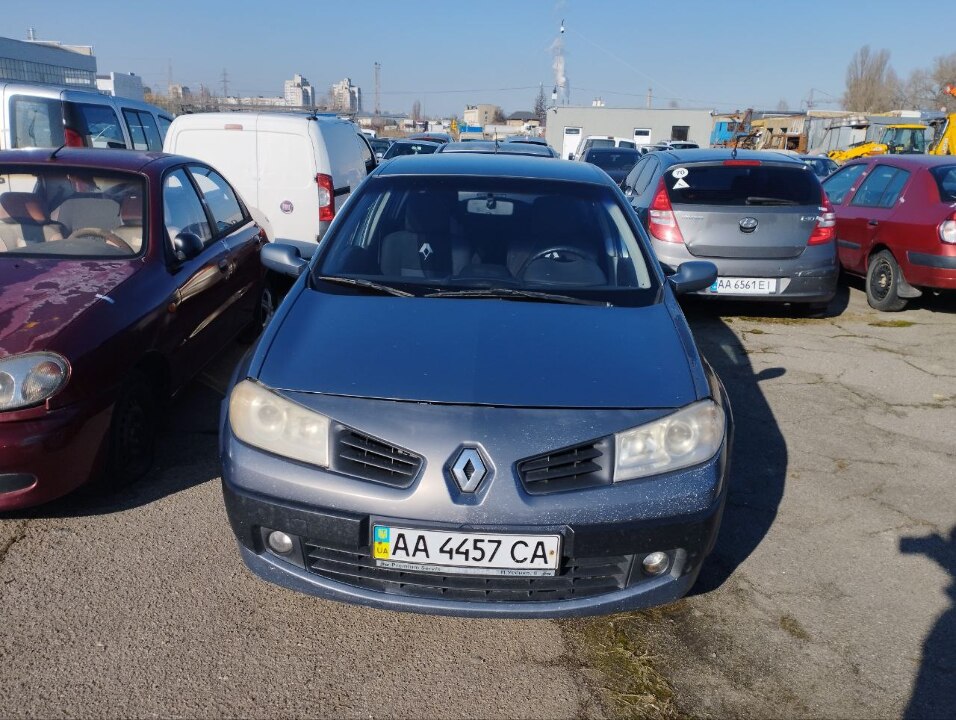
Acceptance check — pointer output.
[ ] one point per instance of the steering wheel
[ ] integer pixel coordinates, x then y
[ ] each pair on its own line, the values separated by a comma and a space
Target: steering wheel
561, 250
106, 236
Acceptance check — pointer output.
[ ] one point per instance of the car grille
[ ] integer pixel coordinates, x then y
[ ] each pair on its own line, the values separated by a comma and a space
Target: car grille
578, 578
573, 468
368, 458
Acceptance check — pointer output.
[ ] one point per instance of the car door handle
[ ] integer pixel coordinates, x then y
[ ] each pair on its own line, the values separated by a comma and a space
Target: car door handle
873, 223
224, 265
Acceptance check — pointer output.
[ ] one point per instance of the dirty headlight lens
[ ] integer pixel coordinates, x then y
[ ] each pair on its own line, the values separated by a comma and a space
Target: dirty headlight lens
261, 418
31, 378
687, 437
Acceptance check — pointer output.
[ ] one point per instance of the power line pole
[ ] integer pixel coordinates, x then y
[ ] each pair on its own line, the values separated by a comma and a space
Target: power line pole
378, 88
225, 83
650, 97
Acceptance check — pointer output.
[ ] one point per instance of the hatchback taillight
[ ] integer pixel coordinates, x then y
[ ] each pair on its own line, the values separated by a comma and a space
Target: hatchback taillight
71, 138
825, 230
326, 197
662, 223
947, 230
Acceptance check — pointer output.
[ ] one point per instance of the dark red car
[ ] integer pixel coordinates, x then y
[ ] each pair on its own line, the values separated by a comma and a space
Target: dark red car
896, 225
121, 275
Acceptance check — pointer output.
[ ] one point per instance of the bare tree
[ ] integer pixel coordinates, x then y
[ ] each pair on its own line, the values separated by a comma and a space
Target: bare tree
943, 74
673, 104
783, 105
499, 118
417, 111
871, 83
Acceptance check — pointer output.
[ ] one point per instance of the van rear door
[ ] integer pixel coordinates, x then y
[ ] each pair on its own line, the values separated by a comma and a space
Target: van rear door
288, 192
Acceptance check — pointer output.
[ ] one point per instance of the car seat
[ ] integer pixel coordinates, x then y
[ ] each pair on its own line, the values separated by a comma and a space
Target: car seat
428, 246
88, 210
24, 221
131, 217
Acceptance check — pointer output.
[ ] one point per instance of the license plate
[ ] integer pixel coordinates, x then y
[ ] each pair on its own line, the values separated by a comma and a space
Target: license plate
465, 553
744, 286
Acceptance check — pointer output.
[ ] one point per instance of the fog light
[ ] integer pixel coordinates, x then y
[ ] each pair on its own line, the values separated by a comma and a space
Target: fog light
280, 543
654, 564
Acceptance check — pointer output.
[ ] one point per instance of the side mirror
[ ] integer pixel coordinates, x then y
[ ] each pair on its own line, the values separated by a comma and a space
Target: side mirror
570, 156
692, 276
284, 259
186, 246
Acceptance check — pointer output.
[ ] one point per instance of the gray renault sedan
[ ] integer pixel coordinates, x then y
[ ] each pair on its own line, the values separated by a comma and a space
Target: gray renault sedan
480, 397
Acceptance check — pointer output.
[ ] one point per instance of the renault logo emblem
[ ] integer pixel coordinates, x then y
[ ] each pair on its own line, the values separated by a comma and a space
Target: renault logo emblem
748, 224
469, 469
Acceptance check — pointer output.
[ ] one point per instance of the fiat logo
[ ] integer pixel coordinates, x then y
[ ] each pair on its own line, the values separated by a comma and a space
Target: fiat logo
748, 224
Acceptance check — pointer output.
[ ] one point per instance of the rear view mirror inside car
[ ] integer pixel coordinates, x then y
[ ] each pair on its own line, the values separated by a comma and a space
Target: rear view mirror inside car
490, 205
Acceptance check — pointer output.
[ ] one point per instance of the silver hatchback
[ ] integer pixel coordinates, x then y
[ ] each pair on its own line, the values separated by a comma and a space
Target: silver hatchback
761, 217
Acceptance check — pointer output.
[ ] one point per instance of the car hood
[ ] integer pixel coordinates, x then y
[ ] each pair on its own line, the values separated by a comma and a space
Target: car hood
41, 296
488, 352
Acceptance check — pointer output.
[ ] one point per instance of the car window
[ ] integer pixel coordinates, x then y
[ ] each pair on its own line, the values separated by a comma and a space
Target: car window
612, 158
631, 180
97, 125
742, 184
839, 184
647, 174
182, 209
143, 130
946, 182
219, 196
37, 122
164, 123
882, 187
71, 212
366, 150
428, 234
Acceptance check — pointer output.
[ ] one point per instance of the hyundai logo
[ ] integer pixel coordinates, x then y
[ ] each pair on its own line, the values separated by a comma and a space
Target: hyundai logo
469, 469
748, 224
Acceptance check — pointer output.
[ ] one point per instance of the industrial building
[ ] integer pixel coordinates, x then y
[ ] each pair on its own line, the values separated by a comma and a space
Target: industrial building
567, 125
46, 61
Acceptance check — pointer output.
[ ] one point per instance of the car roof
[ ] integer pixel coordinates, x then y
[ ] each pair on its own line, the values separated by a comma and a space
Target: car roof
692, 155
490, 165
912, 162
129, 160
417, 141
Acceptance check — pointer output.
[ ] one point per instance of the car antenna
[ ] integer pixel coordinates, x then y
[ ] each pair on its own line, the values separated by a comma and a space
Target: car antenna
53, 154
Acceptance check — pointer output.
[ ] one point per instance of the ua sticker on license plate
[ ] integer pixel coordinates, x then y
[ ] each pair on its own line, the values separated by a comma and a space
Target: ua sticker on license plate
744, 286
465, 553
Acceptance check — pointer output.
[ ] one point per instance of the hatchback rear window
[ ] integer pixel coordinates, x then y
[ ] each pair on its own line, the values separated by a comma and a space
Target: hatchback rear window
946, 181
742, 185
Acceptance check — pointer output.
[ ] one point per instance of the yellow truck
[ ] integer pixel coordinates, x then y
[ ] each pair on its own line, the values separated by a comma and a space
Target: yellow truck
896, 139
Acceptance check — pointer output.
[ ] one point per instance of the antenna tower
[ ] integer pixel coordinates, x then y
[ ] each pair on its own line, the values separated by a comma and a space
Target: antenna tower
378, 88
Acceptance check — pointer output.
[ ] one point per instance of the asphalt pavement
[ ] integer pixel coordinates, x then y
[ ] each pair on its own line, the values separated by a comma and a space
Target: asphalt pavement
830, 593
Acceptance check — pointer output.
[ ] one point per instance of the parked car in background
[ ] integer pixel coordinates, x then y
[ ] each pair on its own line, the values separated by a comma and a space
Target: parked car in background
439, 137
760, 216
498, 148
48, 116
380, 146
821, 165
595, 141
616, 162
896, 225
410, 147
295, 169
526, 139
470, 469
121, 275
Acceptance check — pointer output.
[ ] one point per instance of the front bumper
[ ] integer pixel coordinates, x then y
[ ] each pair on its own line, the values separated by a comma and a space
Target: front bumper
332, 551
48, 454
810, 278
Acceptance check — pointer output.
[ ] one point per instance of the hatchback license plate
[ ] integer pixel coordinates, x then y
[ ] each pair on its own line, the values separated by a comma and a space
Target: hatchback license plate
465, 553
744, 286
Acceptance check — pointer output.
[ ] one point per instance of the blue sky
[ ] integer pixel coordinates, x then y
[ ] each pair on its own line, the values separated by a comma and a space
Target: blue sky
722, 55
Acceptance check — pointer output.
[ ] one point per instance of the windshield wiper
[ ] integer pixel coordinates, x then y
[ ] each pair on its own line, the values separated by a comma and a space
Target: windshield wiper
367, 284
770, 201
509, 293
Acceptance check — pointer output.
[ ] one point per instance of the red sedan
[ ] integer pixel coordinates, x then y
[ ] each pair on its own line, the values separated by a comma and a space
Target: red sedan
121, 275
896, 225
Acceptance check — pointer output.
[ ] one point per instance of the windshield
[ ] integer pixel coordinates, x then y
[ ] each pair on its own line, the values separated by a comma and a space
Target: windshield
70, 212
408, 148
619, 159
905, 140
742, 183
428, 234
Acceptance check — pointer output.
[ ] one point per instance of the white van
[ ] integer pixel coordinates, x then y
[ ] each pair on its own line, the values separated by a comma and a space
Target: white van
296, 169
37, 115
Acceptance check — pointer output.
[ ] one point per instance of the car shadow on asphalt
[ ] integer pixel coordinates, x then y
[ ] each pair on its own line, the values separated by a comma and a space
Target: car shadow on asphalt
186, 456
934, 693
758, 464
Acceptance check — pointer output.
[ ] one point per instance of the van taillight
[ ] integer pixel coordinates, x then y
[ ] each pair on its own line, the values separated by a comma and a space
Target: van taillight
326, 197
825, 231
71, 138
947, 230
662, 223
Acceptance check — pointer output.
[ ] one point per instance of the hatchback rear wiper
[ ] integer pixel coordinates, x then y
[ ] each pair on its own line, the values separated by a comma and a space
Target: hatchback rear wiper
753, 200
367, 284
508, 293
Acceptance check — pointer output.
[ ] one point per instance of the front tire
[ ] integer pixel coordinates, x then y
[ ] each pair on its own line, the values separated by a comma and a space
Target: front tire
133, 430
266, 306
883, 278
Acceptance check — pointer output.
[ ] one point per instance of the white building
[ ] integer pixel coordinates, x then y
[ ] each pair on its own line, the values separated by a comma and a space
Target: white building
346, 97
298, 92
128, 85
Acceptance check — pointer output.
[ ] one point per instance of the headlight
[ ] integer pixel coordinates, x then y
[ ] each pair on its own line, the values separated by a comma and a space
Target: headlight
688, 437
30, 378
266, 420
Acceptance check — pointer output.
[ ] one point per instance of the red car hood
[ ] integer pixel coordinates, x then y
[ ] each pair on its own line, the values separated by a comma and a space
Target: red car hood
40, 296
